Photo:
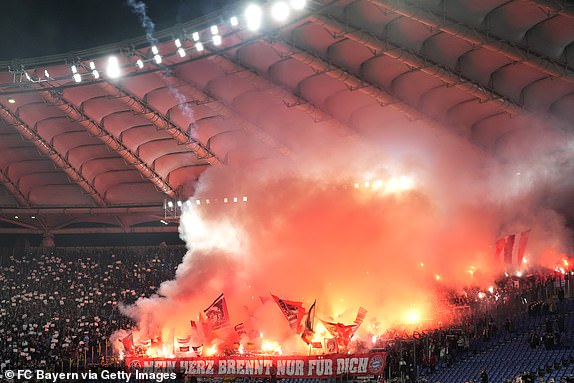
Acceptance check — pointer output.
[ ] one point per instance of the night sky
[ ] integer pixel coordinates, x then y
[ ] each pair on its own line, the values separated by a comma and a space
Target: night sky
32, 28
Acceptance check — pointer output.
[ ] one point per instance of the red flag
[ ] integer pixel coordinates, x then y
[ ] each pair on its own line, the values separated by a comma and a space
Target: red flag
522, 246
128, 343
292, 310
316, 344
240, 329
183, 344
198, 350
361, 314
342, 332
308, 332
216, 313
499, 247
508, 249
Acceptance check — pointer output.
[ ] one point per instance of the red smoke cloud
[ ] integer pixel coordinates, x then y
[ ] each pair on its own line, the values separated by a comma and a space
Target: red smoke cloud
386, 226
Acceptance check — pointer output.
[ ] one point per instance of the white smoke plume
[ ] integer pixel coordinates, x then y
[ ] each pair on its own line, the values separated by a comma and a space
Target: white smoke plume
387, 224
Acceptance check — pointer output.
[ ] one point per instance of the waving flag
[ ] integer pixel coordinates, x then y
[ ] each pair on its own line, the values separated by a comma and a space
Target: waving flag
292, 310
361, 314
512, 247
128, 343
308, 331
183, 344
216, 313
341, 332
240, 329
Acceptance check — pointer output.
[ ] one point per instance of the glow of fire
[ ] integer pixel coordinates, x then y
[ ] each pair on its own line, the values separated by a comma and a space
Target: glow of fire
271, 347
491, 289
481, 295
413, 316
211, 350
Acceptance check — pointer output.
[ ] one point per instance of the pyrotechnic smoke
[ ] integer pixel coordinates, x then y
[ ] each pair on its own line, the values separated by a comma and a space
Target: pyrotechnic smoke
388, 225
139, 8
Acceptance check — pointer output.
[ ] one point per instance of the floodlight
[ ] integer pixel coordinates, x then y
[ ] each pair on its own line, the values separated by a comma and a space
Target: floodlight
113, 68
280, 11
253, 15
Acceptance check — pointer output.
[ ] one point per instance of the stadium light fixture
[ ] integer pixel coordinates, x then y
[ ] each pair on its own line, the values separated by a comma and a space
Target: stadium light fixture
11, 100
140, 63
113, 68
214, 30
216, 40
77, 77
199, 46
195, 36
280, 11
181, 52
95, 72
253, 15
234, 21
177, 43
156, 55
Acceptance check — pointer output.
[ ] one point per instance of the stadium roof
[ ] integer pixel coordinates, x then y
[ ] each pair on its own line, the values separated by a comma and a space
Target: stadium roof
107, 154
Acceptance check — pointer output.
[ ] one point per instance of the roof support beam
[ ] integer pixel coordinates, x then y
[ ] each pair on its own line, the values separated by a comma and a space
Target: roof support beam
152, 210
13, 189
54, 155
477, 38
94, 230
97, 130
160, 122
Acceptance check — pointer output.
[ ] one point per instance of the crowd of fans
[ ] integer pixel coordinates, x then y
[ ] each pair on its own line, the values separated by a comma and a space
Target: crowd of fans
59, 308
483, 317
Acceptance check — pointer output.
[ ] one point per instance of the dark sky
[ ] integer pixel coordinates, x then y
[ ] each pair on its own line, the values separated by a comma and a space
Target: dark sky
32, 28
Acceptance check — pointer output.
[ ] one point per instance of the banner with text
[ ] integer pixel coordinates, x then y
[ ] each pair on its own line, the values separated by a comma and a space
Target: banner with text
319, 366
